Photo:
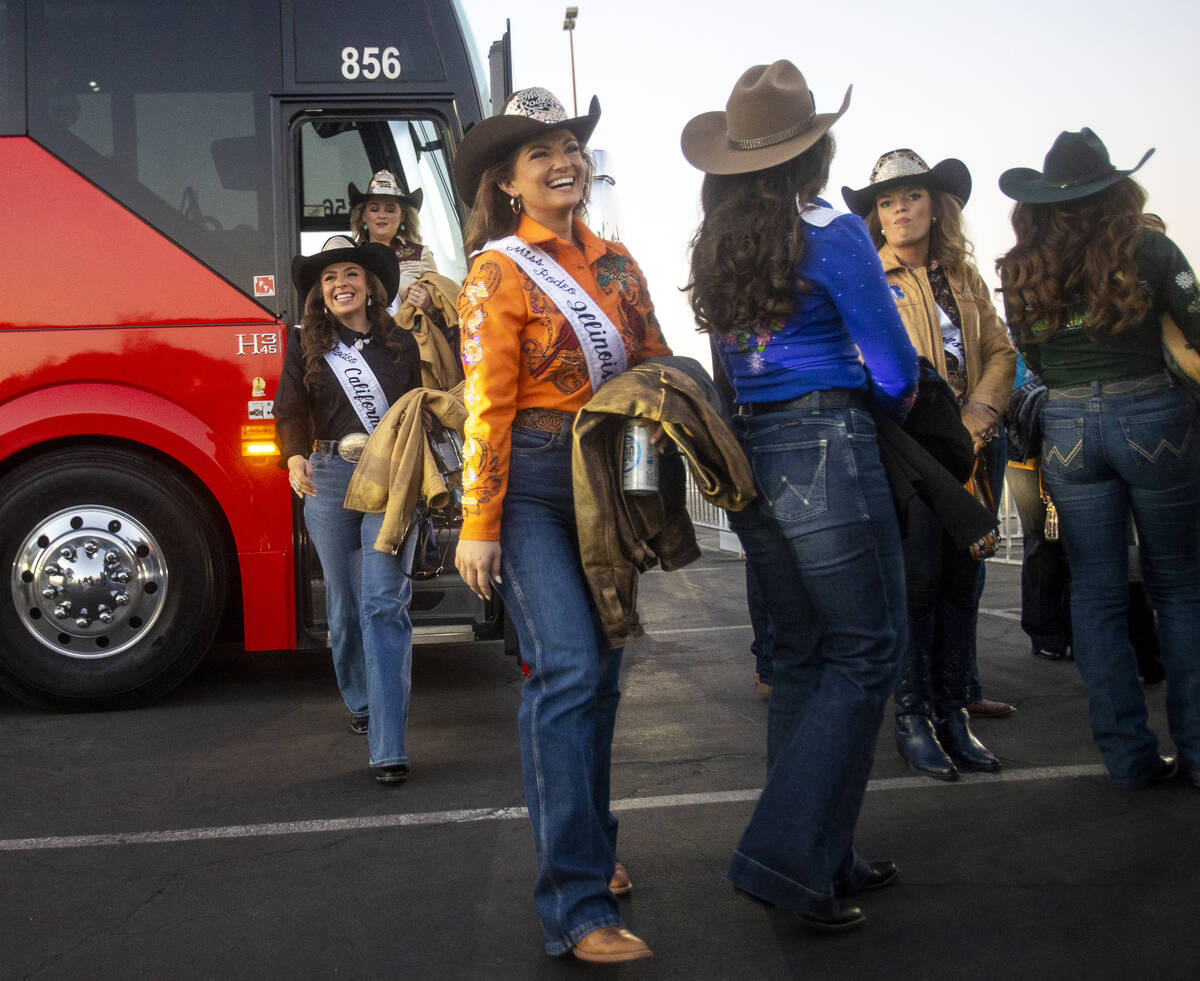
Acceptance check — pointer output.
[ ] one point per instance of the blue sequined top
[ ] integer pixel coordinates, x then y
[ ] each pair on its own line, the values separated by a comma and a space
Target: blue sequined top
849, 310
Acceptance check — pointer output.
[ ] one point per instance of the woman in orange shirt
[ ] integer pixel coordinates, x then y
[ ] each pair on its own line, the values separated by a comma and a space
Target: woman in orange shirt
548, 311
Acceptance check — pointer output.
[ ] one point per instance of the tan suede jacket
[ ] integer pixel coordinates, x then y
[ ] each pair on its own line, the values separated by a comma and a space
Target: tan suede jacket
623, 535
398, 467
440, 367
991, 358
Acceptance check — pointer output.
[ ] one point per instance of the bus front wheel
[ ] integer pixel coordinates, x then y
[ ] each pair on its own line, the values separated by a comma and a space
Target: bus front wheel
115, 591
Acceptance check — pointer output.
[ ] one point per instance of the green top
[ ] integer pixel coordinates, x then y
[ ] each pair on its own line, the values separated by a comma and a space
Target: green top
1074, 357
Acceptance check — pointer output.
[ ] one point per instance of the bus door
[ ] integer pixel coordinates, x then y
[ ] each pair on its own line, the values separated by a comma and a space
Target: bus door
330, 148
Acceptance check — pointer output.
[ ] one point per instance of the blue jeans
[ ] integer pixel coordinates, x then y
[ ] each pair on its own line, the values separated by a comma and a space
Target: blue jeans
995, 455
1102, 456
366, 597
764, 631
569, 700
823, 541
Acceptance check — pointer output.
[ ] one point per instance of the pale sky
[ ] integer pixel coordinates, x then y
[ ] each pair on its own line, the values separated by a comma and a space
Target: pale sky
992, 84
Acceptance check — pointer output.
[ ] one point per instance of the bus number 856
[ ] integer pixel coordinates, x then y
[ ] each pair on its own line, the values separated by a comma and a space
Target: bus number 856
370, 64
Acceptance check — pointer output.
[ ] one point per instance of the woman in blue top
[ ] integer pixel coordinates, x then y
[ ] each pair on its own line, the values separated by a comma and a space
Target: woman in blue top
793, 291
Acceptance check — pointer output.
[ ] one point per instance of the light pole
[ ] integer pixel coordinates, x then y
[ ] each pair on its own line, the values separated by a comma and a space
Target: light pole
569, 27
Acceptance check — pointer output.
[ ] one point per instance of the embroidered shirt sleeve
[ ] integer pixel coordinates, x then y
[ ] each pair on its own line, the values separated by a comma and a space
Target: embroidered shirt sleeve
491, 310
618, 270
860, 291
1181, 295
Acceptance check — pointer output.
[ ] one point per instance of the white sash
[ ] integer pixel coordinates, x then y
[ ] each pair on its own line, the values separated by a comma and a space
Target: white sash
599, 339
359, 383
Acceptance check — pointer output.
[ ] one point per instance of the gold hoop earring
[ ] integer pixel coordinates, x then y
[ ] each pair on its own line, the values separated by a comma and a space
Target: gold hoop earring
515, 204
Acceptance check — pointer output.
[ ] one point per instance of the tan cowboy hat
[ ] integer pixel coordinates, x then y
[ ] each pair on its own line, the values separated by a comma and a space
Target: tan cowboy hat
528, 113
770, 117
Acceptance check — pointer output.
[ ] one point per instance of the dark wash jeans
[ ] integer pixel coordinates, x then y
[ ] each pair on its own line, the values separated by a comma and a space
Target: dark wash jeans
823, 542
569, 701
1103, 455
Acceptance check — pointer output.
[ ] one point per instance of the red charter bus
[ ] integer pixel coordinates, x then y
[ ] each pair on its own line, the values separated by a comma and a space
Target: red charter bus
160, 164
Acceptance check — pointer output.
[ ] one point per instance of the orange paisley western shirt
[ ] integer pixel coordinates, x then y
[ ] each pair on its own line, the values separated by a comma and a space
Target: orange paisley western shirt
519, 352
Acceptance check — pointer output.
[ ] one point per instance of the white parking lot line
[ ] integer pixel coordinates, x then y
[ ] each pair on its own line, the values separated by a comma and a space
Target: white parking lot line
500, 813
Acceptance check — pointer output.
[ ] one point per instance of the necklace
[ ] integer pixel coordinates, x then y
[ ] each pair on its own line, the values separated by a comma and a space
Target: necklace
361, 343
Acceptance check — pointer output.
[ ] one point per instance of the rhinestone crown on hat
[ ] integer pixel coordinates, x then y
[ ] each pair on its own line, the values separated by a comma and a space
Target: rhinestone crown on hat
898, 163
536, 103
383, 182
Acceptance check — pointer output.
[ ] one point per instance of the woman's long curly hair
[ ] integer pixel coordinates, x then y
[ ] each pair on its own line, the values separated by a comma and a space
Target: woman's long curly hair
1073, 254
751, 240
492, 216
320, 334
949, 246
410, 226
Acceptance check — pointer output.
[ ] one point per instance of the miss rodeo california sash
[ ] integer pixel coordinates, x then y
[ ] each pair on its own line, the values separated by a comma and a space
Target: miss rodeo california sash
359, 383
599, 338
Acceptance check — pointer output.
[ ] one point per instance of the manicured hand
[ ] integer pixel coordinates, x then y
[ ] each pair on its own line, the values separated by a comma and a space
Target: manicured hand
300, 476
479, 565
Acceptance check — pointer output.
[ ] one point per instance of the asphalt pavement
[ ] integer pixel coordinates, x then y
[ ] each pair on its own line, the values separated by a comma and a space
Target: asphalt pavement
234, 831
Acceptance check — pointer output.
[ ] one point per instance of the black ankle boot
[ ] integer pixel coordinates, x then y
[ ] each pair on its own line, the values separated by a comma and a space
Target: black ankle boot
919, 747
954, 733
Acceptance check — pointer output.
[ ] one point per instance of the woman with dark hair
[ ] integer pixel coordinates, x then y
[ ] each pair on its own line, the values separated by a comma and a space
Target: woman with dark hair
792, 292
343, 366
914, 214
1086, 289
548, 311
387, 215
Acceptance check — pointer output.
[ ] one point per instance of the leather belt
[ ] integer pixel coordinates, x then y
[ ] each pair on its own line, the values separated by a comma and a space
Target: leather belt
543, 420
1114, 386
832, 398
349, 448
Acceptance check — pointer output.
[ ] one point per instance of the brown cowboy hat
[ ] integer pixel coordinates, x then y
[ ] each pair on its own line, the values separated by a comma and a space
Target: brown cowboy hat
528, 113
905, 168
1076, 166
373, 257
770, 117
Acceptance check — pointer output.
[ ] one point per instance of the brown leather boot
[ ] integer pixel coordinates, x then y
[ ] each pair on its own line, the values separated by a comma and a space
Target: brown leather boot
611, 945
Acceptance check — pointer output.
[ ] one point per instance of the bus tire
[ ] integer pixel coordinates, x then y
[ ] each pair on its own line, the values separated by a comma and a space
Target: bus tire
116, 587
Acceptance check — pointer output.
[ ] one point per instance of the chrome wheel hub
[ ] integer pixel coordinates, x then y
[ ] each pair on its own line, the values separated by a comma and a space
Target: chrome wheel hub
89, 582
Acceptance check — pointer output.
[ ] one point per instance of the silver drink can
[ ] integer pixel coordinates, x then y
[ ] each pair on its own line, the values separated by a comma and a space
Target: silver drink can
639, 460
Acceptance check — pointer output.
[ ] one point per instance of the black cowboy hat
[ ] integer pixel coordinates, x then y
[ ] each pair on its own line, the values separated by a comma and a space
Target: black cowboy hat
383, 185
905, 168
1076, 166
527, 114
373, 257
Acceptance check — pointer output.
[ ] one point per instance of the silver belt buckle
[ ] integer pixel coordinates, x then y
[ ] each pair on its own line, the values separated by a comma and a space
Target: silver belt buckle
350, 448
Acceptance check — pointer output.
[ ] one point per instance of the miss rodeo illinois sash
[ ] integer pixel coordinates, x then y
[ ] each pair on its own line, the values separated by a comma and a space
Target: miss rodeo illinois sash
359, 383
598, 337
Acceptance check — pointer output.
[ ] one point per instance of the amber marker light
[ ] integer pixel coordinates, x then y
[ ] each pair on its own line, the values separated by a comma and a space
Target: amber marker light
259, 441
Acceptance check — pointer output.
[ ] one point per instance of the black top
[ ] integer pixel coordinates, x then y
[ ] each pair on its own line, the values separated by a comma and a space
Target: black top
302, 416
1072, 356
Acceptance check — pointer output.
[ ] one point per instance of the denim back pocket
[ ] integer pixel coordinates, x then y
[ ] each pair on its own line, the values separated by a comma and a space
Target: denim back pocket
1062, 444
793, 479
1161, 439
